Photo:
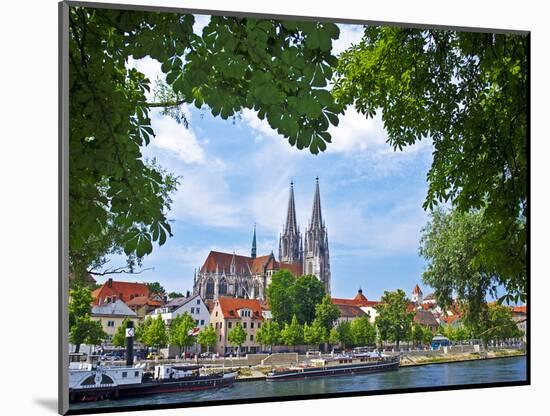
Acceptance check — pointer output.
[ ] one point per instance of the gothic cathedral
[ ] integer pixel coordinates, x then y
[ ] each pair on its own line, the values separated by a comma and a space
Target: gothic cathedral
224, 274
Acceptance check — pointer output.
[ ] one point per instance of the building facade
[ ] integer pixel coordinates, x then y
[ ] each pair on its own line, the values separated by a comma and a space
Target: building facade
193, 305
247, 277
229, 312
111, 315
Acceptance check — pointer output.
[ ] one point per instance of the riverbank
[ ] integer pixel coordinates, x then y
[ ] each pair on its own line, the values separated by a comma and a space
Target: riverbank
418, 360
256, 373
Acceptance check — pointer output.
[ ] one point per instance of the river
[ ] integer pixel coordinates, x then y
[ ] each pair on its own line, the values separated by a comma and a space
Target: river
469, 372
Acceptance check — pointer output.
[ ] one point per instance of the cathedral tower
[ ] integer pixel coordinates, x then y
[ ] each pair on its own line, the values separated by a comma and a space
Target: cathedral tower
290, 241
253, 251
316, 253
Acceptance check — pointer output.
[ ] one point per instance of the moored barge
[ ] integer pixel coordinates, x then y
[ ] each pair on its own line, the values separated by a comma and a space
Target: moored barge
337, 366
101, 383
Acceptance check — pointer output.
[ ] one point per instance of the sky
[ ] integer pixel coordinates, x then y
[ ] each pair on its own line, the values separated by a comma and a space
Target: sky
237, 173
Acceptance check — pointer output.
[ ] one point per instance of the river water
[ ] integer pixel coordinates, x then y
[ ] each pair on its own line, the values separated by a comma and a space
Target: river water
434, 375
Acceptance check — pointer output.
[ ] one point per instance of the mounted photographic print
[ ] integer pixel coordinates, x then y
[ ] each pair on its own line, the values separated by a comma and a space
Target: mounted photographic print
265, 208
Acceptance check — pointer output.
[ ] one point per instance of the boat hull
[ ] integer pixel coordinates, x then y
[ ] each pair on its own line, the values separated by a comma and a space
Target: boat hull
333, 371
150, 387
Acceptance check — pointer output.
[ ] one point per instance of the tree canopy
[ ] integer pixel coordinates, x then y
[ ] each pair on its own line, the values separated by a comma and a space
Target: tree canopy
207, 337
82, 329
180, 331
468, 93
394, 321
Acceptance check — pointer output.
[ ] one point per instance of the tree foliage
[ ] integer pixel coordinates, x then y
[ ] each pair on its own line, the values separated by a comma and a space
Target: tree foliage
308, 291
315, 333
119, 338
468, 93
155, 333
180, 331
458, 265
279, 295
394, 321
293, 333
497, 324
237, 336
326, 313
345, 334
364, 333
207, 337
82, 329
269, 333
118, 200
155, 287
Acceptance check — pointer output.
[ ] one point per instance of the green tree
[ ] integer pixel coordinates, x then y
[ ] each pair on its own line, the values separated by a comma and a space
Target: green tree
345, 334
427, 335
155, 334
174, 295
468, 93
280, 296
417, 335
457, 265
207, 337
118, 200
364, 333
237, 336
394, 322
269, 333
141, 329
155, 287
326, 313
119, 338
180, 331
498, 324
293, 333
82, 329
315, 333
307, 291
333, 336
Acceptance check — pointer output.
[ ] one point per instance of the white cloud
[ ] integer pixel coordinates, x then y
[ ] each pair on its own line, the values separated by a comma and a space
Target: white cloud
355, 133
176, 139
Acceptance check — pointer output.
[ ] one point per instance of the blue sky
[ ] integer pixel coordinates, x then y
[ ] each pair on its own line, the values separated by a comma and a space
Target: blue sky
237, 173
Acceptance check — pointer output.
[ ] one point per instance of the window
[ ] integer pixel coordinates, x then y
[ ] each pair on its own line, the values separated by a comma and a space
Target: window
136, 373
244, 325
124, 374
111, 323
259, 325
229, 324
198, 310
198, 301
192, 310
202, 322
196, 321
216, 313
251, 337
220, 337
251, 325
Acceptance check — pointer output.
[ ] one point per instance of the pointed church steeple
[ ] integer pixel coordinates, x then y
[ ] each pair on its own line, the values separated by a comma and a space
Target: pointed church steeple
291, 224
316, 253
290, 239
316, 216
253, 251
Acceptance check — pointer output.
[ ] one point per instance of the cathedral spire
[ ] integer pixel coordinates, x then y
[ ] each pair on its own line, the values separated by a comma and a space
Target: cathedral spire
289, 241
316, 217
253, 251
291, 224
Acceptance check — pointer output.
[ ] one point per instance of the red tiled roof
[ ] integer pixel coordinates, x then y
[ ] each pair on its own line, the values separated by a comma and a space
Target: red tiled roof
246, 265
358, 300
425, 318
519, 309
124, 291
143, 300
350, 311
230, 306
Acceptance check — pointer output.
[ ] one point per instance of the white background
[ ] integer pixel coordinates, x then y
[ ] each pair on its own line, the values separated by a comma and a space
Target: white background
28, 205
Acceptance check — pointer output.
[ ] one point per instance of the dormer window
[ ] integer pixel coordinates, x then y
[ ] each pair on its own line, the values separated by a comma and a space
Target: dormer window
245, 313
